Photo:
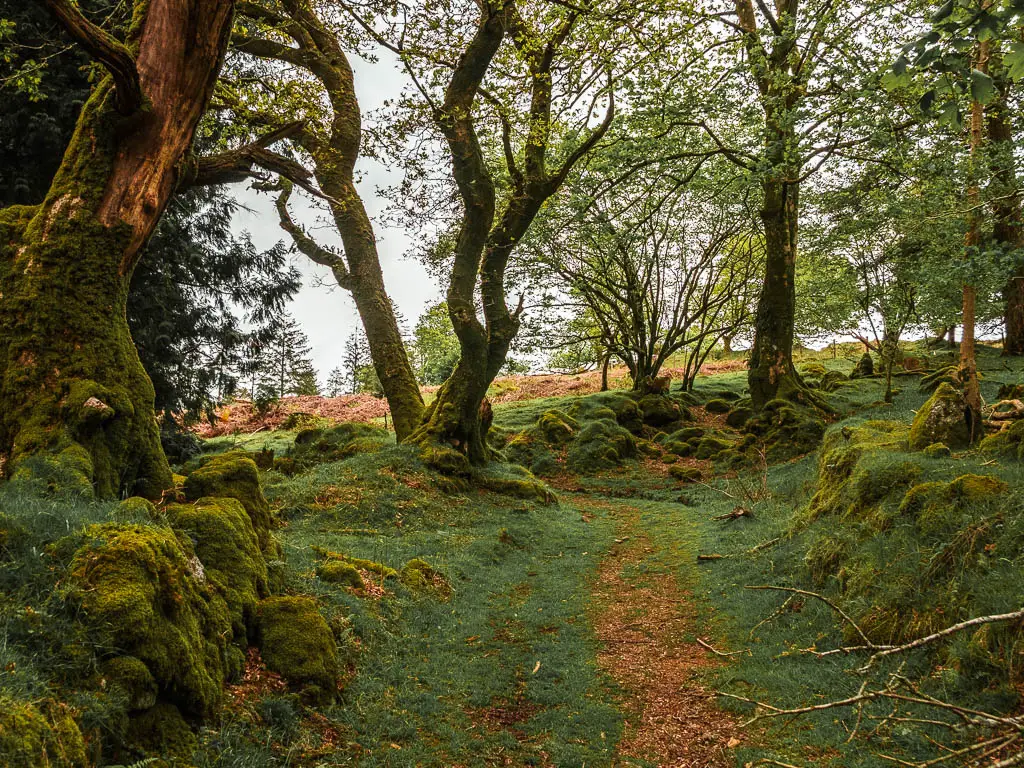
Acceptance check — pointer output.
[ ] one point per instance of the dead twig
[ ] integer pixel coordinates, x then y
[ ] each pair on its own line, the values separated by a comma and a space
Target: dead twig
723, 654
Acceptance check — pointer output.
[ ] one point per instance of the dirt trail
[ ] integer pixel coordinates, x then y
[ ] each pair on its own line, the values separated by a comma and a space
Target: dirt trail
643, 618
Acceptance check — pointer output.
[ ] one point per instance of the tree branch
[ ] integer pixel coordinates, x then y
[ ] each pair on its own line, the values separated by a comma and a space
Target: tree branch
107, 50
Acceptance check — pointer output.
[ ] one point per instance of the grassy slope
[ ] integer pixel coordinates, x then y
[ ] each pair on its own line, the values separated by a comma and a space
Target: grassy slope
456, 681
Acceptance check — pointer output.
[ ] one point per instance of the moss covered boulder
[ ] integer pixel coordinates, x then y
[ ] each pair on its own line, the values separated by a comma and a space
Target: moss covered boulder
662, 411
319, 445
948, 374
140, 591
718, 405
224, 540
34, 735
942, 419
161, 730
556, 427
133, 679
234, 475
786, 429
340, 572
600, 445
296, 642
865, 367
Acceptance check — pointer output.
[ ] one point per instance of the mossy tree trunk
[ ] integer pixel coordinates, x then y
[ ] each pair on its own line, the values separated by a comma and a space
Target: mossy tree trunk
778, 72
772, 373
73, 392
486, 240
1007, 228
334, 149
968, 358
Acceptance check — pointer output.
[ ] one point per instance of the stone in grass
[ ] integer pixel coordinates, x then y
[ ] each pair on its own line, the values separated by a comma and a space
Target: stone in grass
296, 642
717, 405
340, 572
865, 367
943, 419
937, 451
685, 474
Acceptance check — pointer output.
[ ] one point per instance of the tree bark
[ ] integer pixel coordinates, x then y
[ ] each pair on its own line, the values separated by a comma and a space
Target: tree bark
1007, 228
604, 372
334, 152
76, 405
968, 360
772, 373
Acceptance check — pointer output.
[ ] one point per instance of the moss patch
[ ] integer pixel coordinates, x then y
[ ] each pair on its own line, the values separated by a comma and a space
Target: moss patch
39, 735
296, 642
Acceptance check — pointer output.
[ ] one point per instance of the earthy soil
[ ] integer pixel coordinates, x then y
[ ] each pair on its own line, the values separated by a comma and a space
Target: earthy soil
645, 622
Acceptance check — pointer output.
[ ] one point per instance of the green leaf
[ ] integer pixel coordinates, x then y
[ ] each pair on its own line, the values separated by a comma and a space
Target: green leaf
945, 10
892, 81
1014, 60
949, 115
983, 90
927, 100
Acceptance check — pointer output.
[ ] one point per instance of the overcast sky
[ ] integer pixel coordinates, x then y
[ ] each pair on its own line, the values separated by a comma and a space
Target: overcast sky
327, 313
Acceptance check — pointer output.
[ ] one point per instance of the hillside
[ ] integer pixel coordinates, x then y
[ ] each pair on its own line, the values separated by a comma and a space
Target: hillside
625, 606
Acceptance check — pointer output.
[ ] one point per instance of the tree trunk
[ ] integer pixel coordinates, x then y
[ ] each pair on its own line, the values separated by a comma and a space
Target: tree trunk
771, 358
1007, 229
75, 402
968, 360
727, 344
604, 372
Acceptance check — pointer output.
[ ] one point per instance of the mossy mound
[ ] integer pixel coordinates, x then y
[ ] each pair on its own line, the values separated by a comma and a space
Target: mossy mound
234, 475
942, 419
856, 469
133, 679
370, 566
142, 592
161, 730
556, 427
340, 572
319, 446
685, 474
137, 508
513, 480
786, 429
418, 574
938, 508
296, 642
738, 416
718, 405
948, 375
831, 381
709, 447
1009, 442
865, 367
600, 445
226, 544
34, 735
662, 411
814, 369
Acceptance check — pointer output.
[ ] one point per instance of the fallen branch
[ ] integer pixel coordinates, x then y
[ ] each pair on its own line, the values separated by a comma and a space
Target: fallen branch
826, 601
935, 636
724, 654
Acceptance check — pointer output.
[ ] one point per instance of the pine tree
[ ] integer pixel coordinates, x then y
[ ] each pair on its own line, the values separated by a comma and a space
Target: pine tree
356, 358
278, 363
336, 383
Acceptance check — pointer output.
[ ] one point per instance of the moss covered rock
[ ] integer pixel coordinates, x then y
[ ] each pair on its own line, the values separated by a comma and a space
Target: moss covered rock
948, 375
556, 427
143, 592
225, 542
296, 642
133, 679
942, 419
34, 735
137, 508
600, 445
738, 416
865, 367
937, 451
718, 405
162, 731
234, 475
685, 474
711, 446
323, 445
662, 411
340, 572
786, 429
418, 574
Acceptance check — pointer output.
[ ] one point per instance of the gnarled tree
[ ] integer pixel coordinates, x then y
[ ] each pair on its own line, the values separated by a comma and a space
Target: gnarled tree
71, 384
509, 115
306, 39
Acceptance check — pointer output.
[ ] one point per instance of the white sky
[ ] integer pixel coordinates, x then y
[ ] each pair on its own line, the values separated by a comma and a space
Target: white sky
326, 312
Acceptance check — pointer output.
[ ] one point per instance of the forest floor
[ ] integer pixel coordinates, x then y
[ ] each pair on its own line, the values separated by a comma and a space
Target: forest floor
614, 627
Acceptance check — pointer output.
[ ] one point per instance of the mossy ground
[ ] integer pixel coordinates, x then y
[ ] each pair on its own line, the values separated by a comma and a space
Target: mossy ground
488, 654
